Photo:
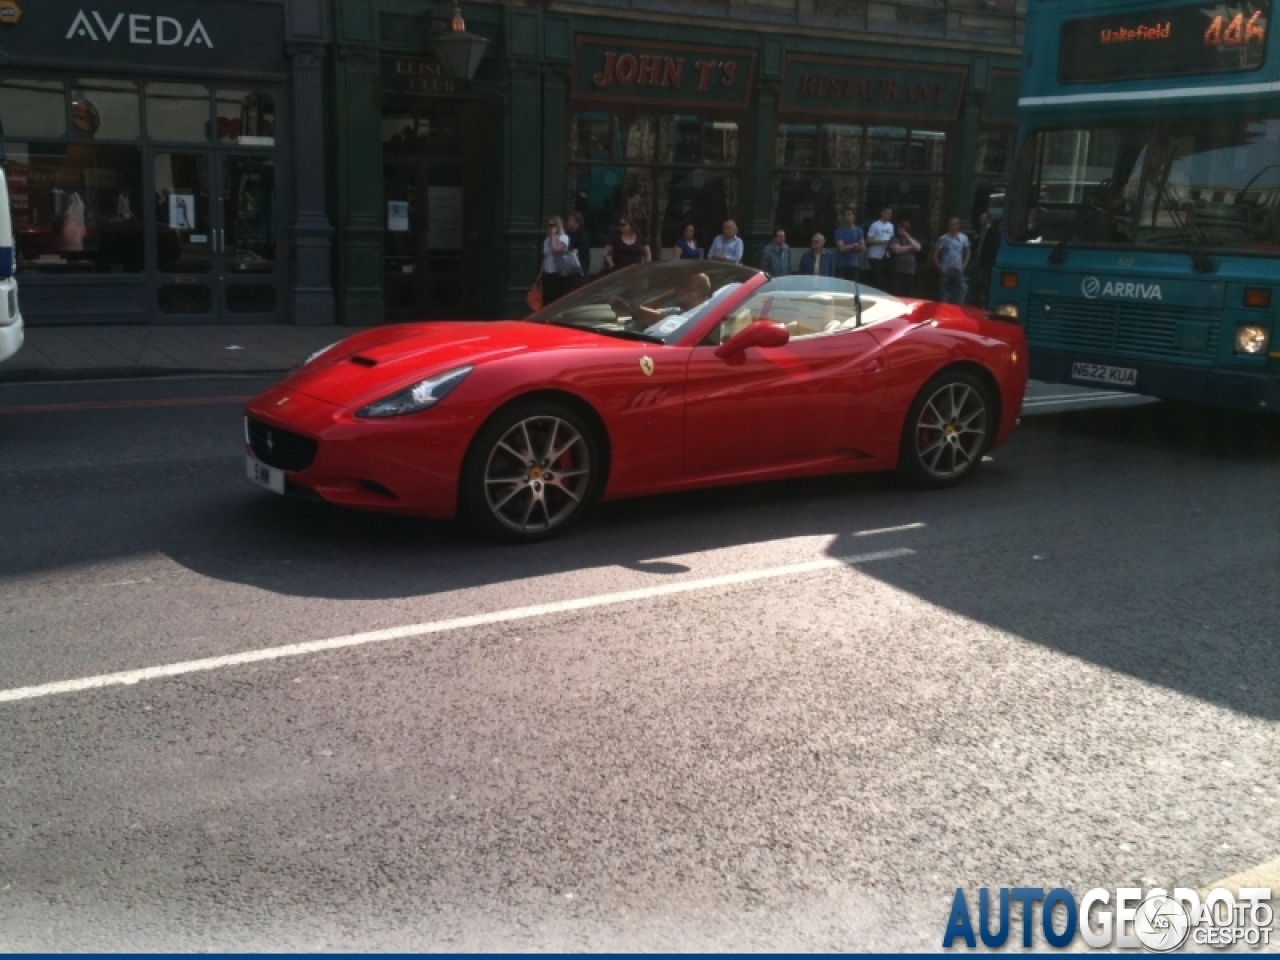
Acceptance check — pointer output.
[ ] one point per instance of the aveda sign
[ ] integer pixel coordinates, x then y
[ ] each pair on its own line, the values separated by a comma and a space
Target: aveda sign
140, 29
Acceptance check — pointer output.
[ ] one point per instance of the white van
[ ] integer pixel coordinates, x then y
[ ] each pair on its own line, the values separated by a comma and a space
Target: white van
10, 318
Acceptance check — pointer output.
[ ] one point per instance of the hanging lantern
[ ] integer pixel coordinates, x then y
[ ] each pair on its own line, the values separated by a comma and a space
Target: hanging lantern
459, 52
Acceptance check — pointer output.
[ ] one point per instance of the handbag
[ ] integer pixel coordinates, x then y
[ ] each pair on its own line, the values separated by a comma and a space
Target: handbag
534, 297
567, 264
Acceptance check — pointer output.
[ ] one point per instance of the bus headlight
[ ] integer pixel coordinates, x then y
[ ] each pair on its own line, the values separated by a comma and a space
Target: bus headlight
1251, 339
1009, 310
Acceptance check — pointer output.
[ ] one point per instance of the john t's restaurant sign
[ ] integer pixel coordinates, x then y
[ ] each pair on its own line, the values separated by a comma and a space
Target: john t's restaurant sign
665, 73
870, 88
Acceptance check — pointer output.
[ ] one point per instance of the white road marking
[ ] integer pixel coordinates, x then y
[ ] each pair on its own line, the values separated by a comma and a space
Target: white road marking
1263, 875
905, 526
1100, 395
130, 677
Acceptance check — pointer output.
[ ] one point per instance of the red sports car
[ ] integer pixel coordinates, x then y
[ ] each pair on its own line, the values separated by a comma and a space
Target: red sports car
660, 377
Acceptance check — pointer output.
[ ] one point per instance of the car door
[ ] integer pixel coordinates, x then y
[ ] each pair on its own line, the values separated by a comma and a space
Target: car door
809, 399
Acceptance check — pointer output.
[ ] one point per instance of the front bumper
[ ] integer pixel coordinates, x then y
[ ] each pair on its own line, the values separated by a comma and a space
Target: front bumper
1239, 389
406, 465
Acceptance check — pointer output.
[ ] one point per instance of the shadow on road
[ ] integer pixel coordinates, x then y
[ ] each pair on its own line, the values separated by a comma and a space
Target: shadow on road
1149, 544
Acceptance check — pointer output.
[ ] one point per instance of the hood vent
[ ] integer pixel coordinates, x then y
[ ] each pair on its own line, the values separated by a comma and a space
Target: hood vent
364, 361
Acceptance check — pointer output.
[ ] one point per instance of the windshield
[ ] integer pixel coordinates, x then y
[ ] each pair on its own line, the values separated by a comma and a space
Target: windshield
660, 300
1211, 185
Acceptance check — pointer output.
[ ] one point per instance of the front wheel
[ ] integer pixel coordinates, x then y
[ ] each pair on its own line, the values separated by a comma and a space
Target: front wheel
531, 471
948, 429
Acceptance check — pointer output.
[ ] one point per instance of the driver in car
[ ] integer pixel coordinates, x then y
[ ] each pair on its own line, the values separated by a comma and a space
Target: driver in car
695, 292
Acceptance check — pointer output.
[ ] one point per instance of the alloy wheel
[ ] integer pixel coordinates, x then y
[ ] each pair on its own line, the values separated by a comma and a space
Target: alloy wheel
951, 430
537, 474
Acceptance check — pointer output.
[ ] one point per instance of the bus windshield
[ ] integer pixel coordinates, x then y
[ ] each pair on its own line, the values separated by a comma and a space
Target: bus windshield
1208, 185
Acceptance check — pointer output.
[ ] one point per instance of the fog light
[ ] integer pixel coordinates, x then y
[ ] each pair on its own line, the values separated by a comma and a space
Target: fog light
1009, 310
1009, 281
1251, 339
1257, 297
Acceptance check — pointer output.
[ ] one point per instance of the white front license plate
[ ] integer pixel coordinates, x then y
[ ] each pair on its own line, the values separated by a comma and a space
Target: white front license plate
264, 476
1100, 373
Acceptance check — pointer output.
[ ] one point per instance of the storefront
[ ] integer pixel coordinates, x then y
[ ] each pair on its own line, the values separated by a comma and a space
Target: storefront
665, 122
149, 163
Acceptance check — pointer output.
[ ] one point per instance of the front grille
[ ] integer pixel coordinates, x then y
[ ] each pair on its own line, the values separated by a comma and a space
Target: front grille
280, 448
1125, 329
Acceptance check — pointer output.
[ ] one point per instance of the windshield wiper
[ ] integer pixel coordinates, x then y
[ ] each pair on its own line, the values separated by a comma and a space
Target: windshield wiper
619, 334
1083, 219
1200, 262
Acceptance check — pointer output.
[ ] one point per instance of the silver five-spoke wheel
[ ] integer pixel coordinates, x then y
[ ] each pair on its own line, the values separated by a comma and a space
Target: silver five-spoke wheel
537, 474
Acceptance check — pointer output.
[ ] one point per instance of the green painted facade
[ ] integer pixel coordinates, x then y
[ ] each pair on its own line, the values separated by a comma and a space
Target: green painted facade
546, 63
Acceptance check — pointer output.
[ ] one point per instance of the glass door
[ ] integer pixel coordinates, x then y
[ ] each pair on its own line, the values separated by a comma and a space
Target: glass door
250, 277
185, 235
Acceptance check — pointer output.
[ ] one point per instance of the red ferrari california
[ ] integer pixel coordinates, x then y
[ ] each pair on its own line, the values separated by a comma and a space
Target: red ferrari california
660, 377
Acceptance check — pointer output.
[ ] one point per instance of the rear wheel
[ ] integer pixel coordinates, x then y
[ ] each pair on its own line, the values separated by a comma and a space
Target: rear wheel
947, 431
531, 472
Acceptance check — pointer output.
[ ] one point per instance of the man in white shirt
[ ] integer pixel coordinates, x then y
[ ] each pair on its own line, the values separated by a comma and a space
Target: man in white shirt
878, 236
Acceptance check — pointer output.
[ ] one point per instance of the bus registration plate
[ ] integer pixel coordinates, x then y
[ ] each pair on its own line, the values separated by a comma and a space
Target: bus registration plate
1100, 373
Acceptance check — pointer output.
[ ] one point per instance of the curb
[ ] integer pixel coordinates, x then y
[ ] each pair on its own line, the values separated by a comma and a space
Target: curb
63, 374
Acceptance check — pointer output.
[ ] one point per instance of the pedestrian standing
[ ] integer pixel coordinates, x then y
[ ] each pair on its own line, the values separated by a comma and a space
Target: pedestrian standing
626, 247
986, 245
686, 246
817, 261
879, 252
951, 256
850, 245
557, 262
579, 243
904, 248
728, 246
775, 259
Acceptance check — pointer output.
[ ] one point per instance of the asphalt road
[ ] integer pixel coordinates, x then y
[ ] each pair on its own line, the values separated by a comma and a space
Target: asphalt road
826, 706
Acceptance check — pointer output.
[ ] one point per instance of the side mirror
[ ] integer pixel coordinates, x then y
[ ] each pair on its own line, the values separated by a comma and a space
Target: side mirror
762, 333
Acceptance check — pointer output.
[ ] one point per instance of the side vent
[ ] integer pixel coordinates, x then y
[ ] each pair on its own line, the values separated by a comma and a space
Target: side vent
364, 361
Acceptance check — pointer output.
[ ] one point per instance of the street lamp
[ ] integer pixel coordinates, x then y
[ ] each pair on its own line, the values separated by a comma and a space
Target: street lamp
458, 51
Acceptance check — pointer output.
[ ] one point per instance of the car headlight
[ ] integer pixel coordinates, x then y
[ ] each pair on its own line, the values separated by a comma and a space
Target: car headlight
420, 396
321, 352
1251, 339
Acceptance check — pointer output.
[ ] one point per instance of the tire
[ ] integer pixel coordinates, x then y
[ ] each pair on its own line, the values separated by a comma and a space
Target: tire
949, 427
532, 471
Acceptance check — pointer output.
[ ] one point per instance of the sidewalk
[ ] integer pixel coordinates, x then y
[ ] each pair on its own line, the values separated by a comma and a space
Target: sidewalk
99, 353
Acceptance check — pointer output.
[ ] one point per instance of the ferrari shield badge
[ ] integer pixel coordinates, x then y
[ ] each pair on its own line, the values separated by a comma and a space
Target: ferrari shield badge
646, 365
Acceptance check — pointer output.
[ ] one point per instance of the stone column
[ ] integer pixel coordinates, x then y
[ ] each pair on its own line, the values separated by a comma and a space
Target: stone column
758, 188
523, 151
313, 302
555, 99
358, 136
964, 159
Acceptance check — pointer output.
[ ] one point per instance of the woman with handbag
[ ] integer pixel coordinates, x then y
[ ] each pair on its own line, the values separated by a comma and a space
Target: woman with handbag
560, 266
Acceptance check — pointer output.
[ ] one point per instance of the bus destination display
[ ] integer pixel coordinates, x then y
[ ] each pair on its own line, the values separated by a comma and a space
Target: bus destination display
1171, 42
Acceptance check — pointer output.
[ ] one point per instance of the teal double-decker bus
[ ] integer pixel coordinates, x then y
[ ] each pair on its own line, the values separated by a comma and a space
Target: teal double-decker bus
1142, 224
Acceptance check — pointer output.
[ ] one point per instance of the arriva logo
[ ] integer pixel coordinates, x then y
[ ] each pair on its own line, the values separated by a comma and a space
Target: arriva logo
143, 30
1093, 288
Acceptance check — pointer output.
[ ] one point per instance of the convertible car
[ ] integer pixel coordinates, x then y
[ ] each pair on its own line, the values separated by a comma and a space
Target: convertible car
660, 377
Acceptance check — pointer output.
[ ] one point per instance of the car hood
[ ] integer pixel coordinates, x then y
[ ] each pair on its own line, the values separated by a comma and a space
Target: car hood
381, 361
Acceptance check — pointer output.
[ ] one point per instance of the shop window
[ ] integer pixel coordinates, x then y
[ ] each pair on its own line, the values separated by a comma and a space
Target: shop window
995, 152
926, 151
76, 207
105, 110
661, 171
33, 108
796, 145
178, 112
246, 117
888, 147
183, 234
842, 147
